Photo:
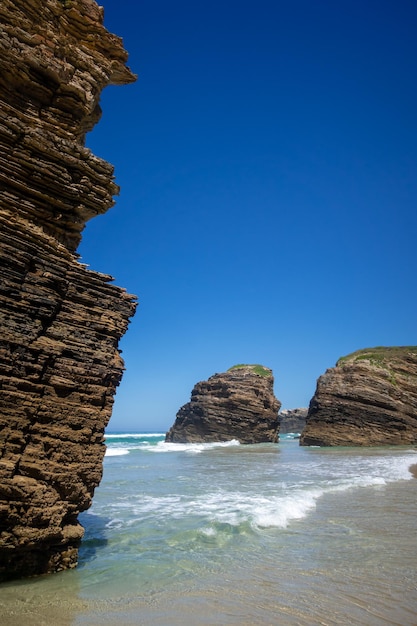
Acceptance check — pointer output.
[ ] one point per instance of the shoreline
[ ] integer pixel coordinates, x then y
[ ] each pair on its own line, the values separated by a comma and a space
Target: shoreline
351, 559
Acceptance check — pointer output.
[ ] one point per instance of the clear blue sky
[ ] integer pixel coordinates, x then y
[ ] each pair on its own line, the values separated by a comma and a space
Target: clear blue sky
267, 158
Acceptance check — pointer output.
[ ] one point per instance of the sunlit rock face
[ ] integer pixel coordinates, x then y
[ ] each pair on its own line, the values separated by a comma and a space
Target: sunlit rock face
238, 404
60, 322
368, 399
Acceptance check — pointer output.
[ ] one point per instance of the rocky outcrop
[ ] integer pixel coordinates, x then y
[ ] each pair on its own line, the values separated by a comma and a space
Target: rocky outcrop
292, 420
238, 404
368, 399
60, 322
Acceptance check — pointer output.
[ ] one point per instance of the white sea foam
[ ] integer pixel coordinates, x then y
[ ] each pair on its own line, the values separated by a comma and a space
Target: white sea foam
228, 508
116, 451
371, 470
192, 448
275, 507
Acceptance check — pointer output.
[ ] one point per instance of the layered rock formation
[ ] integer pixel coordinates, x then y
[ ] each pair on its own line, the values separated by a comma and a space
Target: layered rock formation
238, 404
292, 420
60, 323
368, 399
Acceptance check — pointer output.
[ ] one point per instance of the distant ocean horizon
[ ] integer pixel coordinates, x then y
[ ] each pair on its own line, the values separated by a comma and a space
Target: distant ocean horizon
222, 533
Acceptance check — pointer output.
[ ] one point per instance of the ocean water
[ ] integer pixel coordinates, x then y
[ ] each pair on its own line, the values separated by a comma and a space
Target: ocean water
219, 534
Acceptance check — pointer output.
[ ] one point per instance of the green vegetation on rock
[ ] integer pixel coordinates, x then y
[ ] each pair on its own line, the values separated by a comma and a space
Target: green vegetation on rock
379, 356
257, 369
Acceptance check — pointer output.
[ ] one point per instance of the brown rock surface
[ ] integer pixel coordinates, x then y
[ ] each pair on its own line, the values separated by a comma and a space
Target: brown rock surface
238, 404
60, 323
368, 399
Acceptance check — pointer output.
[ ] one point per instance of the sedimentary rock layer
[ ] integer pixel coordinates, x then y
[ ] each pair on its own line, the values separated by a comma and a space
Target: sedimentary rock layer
368, 399
237, 404
60, 323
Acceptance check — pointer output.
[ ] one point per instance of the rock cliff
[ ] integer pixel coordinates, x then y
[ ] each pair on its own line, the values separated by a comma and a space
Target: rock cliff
238, 404
368, 399
292, 420
60, 323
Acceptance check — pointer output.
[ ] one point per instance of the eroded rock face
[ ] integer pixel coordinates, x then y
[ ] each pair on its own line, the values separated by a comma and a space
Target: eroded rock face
292, 420
238, 404
60, 323
368, 399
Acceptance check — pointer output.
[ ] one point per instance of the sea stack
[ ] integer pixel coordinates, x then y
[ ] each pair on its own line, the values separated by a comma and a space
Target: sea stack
238, 404
368, 399
292, 420
60, 322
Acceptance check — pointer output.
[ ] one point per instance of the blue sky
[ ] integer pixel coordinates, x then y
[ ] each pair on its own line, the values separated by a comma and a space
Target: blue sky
267, 158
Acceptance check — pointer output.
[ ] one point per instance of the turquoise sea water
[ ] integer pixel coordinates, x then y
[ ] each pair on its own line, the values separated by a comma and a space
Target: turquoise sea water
207, 534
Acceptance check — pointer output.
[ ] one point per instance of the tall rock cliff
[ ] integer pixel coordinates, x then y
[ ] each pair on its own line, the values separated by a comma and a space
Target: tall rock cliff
60, 323
368, 399
238, 404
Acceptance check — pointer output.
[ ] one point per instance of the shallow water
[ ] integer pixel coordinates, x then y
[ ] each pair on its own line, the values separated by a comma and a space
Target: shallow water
229, 534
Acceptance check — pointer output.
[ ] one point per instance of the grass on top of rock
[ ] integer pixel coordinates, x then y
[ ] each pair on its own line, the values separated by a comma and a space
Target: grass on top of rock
378, 356
257, 369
